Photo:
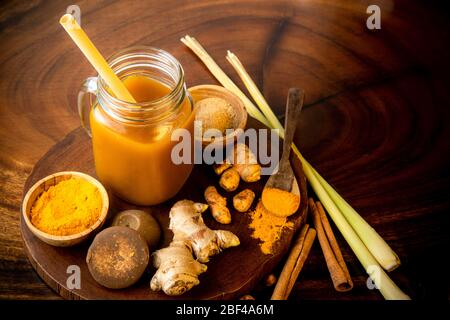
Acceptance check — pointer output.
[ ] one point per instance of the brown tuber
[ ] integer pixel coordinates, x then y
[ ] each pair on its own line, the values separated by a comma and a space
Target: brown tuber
141, 221
229, 180
243, 200
244, 161
221, 167
218, 205
117, 257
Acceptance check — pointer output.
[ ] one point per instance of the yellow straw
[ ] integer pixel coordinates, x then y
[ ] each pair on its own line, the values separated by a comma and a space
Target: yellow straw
95, 58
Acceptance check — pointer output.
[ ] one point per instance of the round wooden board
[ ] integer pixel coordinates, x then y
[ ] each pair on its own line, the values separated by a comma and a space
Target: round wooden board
230, 275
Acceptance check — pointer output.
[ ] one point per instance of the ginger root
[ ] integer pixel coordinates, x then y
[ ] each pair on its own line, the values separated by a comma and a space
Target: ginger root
243, 200
229, 180
177, 269
218, 205
245, 163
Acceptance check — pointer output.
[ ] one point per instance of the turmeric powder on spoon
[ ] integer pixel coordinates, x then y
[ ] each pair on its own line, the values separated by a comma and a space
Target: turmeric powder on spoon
277, 196
280, 202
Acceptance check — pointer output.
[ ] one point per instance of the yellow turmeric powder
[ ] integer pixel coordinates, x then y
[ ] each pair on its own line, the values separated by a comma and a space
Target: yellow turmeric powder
267, 227
280, 202
69, 207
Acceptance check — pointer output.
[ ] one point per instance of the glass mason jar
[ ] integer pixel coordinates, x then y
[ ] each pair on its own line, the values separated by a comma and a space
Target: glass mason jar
132, 141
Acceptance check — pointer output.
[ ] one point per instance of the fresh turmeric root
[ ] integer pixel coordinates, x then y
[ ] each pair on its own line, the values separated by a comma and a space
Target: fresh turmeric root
243, 200
218, 205
229, 180
178, 271
246, 164
221, 167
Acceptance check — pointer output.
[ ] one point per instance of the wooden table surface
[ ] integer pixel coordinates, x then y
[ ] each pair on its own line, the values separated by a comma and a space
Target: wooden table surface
375, 122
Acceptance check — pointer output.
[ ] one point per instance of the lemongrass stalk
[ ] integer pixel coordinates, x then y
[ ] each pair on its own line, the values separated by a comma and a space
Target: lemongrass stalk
374, 242
382, 252
197, 48
256, 94
382, 281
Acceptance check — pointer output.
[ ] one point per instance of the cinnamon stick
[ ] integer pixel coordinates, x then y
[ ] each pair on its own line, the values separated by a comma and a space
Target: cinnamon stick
333, 242
330, 248
309, 240
283, 280
294, 263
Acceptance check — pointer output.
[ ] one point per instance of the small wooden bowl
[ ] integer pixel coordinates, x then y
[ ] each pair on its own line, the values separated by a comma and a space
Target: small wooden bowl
44, 184
240, 121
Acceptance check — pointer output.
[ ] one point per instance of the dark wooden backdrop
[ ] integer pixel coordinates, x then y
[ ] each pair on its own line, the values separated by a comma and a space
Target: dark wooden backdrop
375, 122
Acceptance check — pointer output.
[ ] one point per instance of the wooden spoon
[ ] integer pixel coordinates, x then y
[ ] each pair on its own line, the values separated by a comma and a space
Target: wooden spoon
283, 179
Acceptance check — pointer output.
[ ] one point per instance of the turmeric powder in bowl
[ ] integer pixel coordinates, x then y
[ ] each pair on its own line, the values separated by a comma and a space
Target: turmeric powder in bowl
220, 115
69, 207
215, 113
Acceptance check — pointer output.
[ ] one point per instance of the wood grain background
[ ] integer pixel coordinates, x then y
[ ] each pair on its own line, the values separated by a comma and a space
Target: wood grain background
375, 121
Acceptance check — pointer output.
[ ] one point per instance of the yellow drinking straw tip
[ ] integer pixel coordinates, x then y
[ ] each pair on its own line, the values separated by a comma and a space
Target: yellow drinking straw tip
68, 21
91, 53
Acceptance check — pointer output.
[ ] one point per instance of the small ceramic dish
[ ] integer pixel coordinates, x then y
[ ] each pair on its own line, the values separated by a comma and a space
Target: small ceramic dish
44, 184
239, 114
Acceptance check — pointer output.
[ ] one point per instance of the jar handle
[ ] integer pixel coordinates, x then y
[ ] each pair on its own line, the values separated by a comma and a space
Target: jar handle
85, 102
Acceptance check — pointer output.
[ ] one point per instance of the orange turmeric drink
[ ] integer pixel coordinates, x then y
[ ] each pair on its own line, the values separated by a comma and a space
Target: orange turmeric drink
132, 141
